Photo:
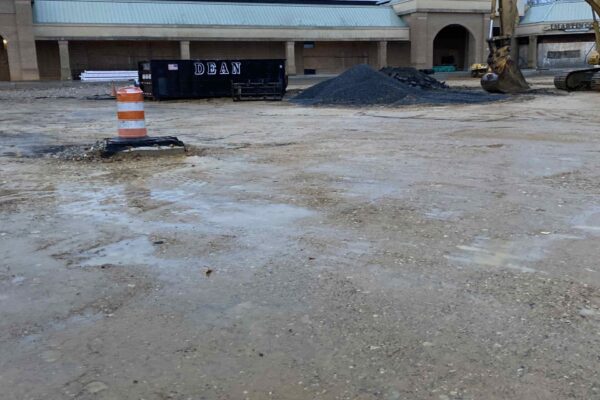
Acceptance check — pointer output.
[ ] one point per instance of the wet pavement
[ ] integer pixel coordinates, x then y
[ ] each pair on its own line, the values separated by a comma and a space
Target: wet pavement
444, 252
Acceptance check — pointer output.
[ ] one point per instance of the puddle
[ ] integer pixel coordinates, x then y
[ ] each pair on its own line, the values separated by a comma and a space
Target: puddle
136, 251
105, 204
174, 195
36, 145
114, 204
83, 319
256, 217
517, 255
373, 190
496, 256
25, 144
442, 215
529, 162
260, 229
588, 221
366, 177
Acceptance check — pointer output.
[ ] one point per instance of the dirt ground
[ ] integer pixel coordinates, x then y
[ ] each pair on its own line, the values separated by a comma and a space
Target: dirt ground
446, 252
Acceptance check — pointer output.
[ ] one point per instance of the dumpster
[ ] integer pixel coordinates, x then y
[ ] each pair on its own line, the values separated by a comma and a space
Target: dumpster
196, 79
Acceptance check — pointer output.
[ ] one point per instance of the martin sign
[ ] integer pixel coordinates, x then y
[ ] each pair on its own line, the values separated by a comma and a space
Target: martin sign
217, 68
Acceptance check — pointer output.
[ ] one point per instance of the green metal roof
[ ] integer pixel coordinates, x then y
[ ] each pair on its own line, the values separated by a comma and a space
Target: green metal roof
557, 11
134, 12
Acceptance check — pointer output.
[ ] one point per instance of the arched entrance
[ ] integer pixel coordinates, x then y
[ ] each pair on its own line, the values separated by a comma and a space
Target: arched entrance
4, 71
452, 47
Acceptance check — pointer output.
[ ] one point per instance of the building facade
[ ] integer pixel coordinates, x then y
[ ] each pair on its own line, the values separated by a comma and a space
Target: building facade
58, 39
555, 34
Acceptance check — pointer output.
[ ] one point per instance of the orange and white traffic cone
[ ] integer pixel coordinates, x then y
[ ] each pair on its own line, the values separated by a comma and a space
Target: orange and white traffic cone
133, 135
130, 112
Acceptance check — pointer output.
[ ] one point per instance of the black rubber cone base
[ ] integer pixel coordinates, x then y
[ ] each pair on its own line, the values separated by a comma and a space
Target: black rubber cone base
148, 145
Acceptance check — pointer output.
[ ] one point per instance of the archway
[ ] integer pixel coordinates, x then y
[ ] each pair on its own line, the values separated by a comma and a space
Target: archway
452, 47
4, 71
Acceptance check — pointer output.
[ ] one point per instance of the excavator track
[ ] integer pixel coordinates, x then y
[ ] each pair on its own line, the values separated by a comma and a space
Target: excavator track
578, 80
595, 85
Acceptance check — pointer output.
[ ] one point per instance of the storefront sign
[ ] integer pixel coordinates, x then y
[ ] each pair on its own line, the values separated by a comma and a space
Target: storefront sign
570, 27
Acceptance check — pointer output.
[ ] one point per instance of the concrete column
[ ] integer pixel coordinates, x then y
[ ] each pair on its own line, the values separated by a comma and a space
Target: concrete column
300, 58
420, 45
532, 52
290, 57
382, 54
14, 59
184, 50
514, 49
65, 62
482, 49
24, 44
471, 45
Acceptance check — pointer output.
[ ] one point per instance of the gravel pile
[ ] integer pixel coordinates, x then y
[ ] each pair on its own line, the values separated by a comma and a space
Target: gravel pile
361, 85
414, 78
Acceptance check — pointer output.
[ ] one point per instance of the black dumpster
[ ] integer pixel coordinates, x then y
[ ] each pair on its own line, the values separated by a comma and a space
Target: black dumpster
195, 79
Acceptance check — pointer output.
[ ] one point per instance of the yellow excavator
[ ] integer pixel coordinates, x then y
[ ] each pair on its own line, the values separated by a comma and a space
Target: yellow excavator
589, 78
504, 75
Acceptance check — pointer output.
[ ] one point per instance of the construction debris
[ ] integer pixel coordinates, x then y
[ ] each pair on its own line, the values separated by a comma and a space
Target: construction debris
413, 77
109, 76
362, 85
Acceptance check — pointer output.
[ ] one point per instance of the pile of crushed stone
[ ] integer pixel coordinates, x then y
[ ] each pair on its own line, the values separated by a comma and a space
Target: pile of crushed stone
413, 77
362, 85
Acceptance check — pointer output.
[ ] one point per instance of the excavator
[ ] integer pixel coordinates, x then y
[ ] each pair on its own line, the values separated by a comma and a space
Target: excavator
504, 75
589, 78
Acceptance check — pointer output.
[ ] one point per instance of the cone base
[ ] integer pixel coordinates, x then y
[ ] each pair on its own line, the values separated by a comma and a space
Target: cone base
149, 145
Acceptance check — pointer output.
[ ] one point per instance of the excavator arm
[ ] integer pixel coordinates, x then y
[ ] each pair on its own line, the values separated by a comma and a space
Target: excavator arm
595, 57
504, 75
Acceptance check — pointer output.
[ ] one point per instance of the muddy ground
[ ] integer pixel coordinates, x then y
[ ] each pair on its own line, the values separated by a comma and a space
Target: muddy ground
421, 252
